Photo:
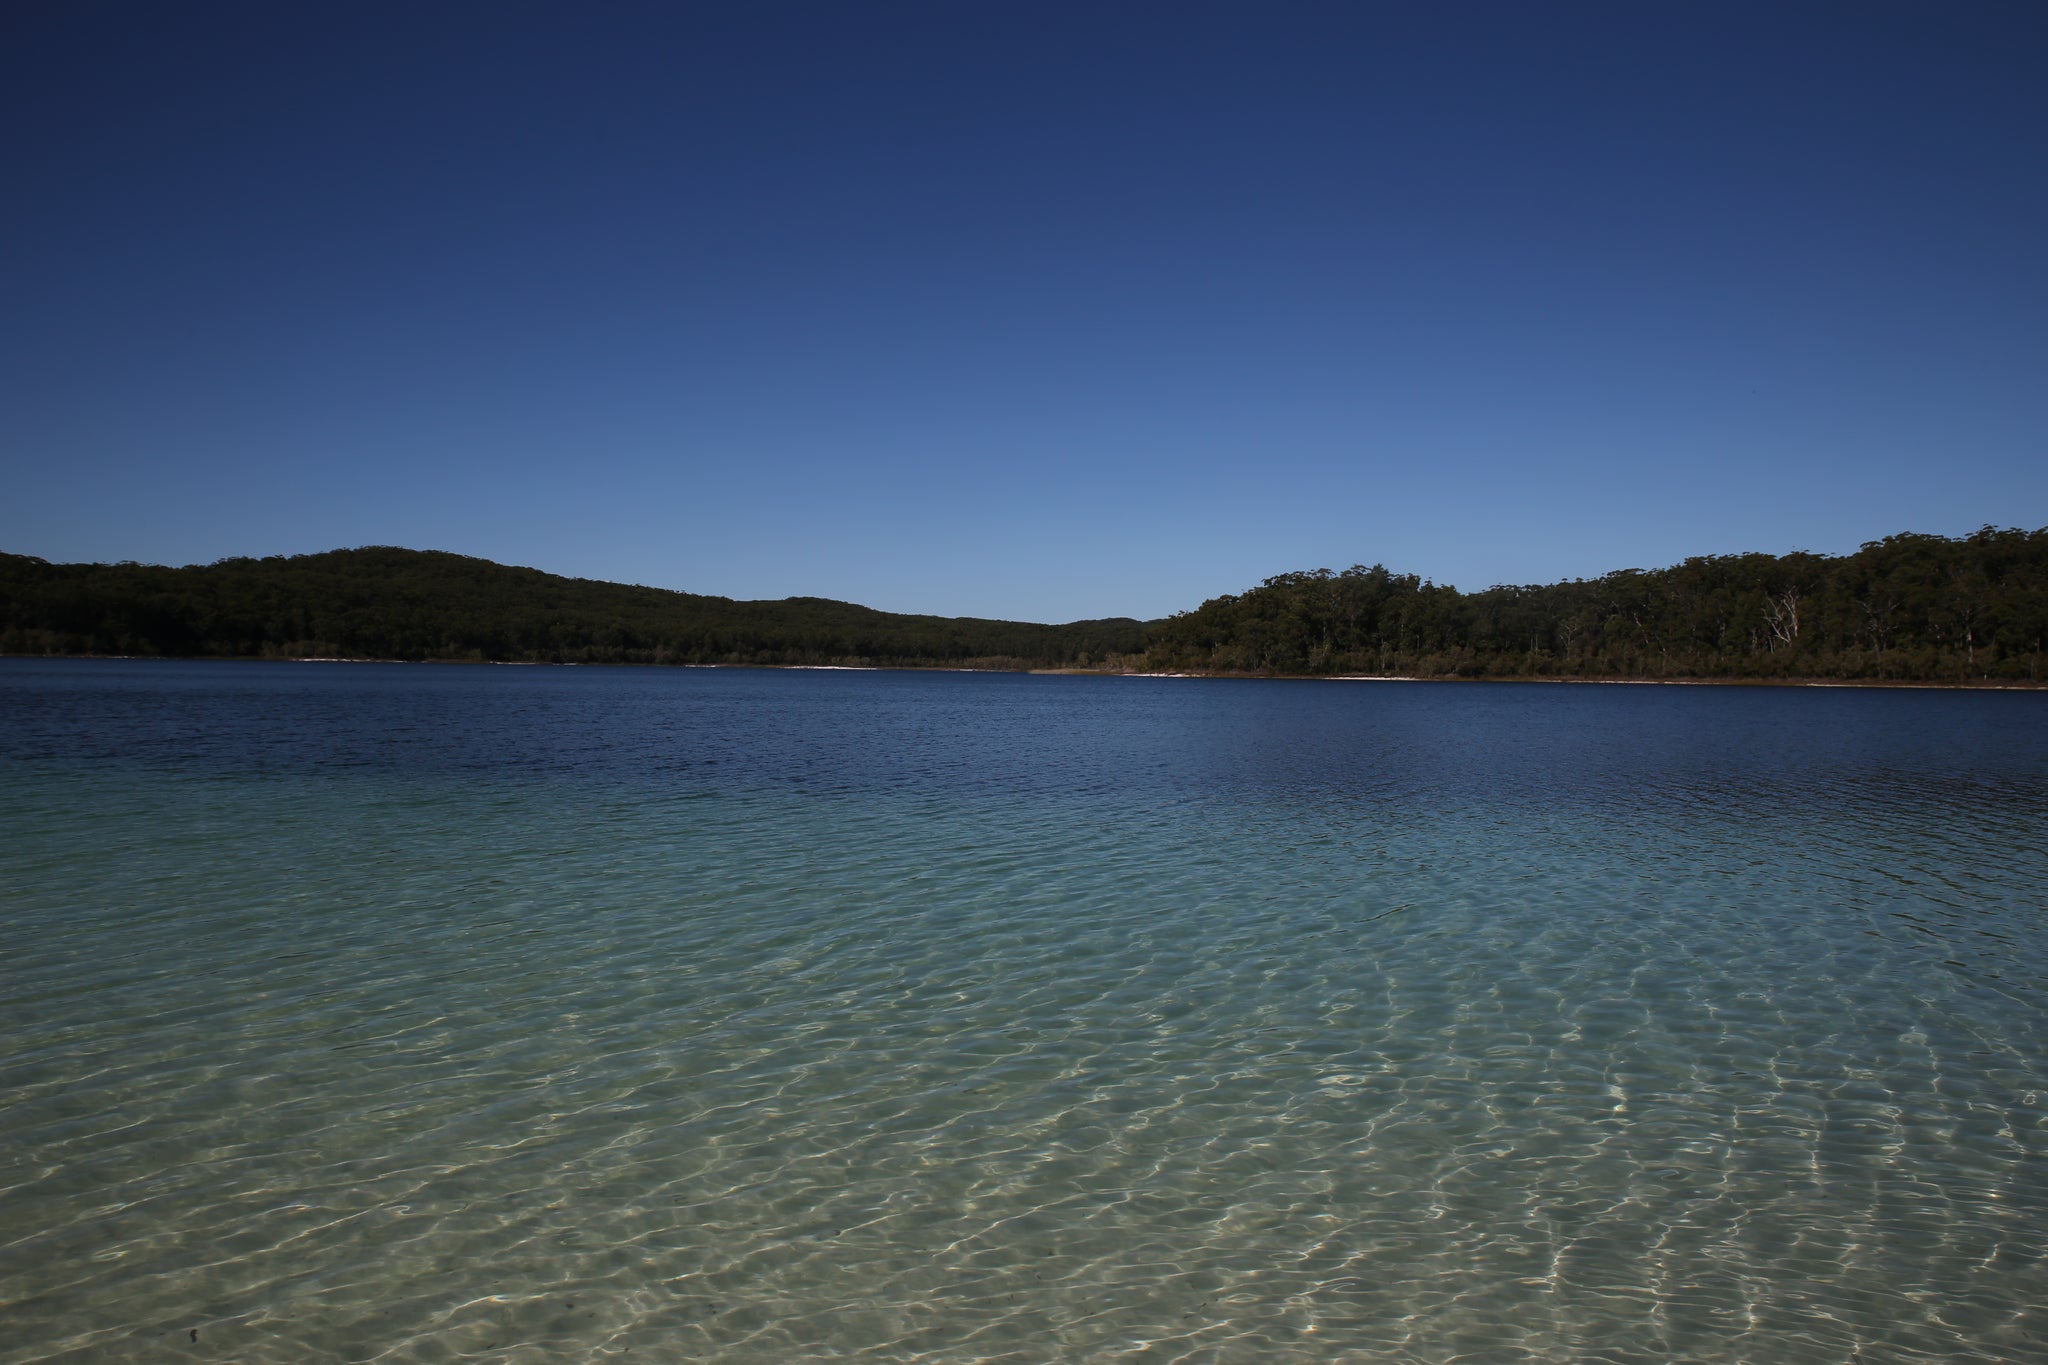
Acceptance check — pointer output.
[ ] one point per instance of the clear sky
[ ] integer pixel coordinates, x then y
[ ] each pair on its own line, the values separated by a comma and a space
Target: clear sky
1028, 310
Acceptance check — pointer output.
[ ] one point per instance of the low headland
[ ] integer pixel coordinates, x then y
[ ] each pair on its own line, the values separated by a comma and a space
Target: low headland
1908, 610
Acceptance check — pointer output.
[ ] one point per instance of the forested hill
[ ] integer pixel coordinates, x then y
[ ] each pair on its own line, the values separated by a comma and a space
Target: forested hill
1912, 608
383, 603
1909, 608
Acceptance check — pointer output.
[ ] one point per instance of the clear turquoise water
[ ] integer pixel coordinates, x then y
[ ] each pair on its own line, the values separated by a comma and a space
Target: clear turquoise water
396, 1013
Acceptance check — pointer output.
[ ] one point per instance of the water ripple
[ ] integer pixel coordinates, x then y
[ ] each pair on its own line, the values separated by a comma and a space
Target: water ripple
1234, 1030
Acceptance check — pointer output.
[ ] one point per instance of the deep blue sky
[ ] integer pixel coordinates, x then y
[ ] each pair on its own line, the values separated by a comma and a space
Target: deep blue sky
1027, 310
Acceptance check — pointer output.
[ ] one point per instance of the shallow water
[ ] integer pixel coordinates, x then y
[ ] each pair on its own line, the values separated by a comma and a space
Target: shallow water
404, 1013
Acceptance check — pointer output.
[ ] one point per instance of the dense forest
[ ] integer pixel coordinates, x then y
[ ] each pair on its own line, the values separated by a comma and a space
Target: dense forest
1911, 608
384, 603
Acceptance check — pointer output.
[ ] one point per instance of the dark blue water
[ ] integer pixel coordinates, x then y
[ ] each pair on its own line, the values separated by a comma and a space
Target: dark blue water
417, 1013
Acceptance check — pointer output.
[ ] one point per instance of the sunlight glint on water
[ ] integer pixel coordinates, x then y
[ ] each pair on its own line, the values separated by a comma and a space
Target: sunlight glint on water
396, 1013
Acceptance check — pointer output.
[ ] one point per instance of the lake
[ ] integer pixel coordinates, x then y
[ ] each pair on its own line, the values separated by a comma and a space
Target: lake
412, 1013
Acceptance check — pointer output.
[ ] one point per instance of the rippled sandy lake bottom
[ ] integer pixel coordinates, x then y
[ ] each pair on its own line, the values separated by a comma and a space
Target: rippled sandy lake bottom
465, 1014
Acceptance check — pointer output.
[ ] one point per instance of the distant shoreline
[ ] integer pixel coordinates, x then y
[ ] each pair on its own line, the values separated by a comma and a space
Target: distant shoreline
1920, 684
1988, 685
1908, 611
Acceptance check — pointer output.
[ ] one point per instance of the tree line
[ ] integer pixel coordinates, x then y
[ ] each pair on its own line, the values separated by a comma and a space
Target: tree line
387, 603
1910, 608
1907, 608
